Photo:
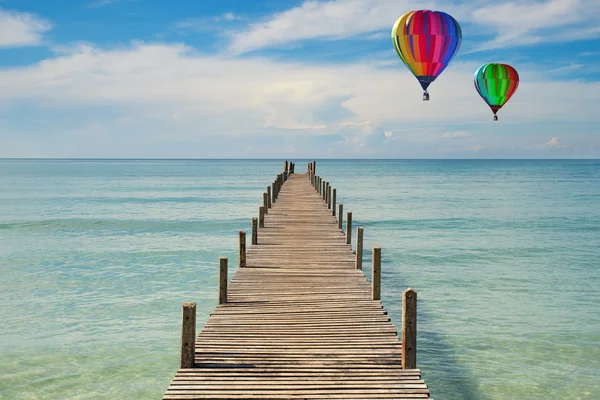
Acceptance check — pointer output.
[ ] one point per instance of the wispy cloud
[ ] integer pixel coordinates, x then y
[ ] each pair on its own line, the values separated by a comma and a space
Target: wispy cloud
330, 20
509, 23
206, 23
531, 22
19, 29
454, 135
101, 3
555, 143
158, 88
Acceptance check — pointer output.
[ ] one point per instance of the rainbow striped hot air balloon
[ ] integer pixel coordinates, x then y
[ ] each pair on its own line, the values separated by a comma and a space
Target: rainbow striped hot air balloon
496, 83
426, 42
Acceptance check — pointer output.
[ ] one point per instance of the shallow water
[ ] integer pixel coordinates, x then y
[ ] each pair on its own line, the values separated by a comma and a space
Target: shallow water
97, 257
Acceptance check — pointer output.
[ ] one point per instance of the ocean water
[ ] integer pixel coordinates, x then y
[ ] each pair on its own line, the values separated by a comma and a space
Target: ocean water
96, 257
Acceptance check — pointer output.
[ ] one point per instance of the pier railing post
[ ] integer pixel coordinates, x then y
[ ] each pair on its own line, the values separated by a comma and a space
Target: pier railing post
340, 215
261, 216
324, 190
266, 202
333, 203
376, 271
349, 228
268, 196
222, 280
254, 231
188, 336
242, 249
359, 247
328, 197
314, 168
409, 329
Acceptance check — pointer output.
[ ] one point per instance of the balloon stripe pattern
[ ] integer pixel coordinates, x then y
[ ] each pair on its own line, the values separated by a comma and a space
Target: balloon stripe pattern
496, 83
426, 41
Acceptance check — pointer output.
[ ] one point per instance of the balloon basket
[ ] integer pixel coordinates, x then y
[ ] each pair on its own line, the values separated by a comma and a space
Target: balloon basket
495, 118
425, 96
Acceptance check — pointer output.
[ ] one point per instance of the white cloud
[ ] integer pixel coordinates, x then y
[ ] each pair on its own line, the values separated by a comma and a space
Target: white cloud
555, 143
387, 134
230, 17
533, 22
454, 135
101, 3
329, 19
19, 29
171, 91
511, 23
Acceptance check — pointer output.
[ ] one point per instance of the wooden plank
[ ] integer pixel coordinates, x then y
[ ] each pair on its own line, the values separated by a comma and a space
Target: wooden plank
299, 319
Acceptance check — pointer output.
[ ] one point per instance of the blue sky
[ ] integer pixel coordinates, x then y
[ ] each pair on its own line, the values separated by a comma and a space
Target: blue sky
276, 78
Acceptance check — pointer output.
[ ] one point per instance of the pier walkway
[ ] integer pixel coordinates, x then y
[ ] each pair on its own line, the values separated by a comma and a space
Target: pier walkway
298, 320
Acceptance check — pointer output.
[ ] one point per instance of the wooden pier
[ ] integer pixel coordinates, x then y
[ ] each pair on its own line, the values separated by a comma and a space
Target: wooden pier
299, 320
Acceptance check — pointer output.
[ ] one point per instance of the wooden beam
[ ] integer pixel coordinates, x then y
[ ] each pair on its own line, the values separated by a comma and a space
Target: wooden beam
409, 329
349, 228
242, 249
254, 231
222, 280
188, 336
376, 271
359, 247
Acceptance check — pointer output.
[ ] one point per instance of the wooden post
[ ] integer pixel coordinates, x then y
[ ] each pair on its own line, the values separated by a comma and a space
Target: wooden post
359, 247
324, 191
242, 249
314, 169
376, 270
254, 231
268, 196
266, 202
327, 193
409, 329
340, 215
222, 280
261, 216
188, 336
285, 166
349, 228
333, 203
328, 197
273, 192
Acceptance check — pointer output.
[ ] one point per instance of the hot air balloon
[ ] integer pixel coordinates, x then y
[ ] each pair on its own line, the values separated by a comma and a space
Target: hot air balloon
496, 83
426, 42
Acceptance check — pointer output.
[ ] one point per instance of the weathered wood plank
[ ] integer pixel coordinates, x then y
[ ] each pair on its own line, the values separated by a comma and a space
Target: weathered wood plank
300, 320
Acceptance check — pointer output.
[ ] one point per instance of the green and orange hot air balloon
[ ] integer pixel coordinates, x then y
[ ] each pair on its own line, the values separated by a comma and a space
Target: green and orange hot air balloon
426, 42
496, 83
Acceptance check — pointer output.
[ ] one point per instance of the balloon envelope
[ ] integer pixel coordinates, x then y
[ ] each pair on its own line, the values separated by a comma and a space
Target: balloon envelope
426, 42
496, 83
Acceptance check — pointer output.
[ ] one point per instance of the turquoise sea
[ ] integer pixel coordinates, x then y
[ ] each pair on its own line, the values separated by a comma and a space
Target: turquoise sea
96, 257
